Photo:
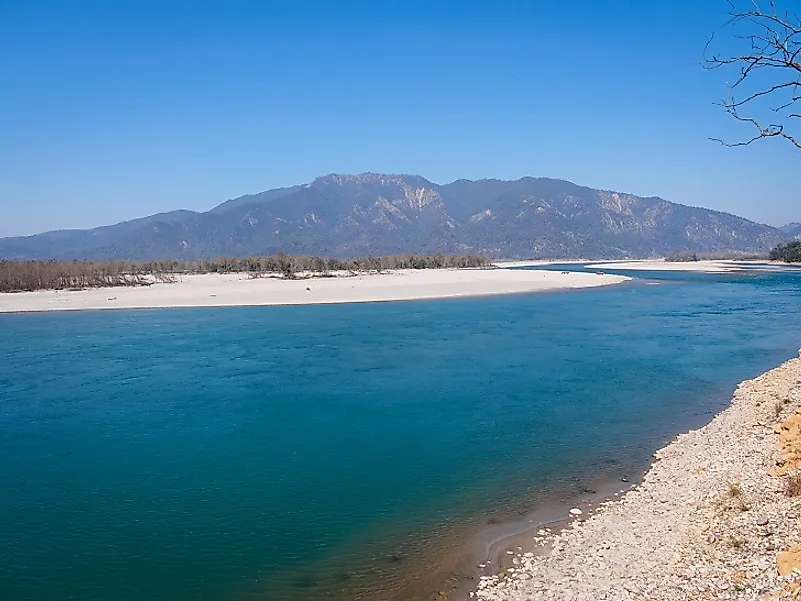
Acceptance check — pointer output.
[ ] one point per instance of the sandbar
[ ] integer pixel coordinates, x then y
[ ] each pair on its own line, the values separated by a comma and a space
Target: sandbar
238, 289
710, 266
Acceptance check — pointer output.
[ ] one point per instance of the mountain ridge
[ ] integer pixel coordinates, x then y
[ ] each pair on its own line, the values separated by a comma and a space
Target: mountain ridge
792, 229
380, 213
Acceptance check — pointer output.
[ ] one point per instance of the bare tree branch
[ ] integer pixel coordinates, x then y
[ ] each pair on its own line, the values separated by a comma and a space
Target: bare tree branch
771, 42
771, 131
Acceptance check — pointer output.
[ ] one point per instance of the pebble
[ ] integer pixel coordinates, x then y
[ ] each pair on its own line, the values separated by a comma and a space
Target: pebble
681, 534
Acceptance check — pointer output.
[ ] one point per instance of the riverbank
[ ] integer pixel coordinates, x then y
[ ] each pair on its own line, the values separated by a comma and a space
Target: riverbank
712, 518
710, 266
228, 290
704, 266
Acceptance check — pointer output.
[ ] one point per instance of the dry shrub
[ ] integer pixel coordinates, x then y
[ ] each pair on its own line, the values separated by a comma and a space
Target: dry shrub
735, 499
793, 485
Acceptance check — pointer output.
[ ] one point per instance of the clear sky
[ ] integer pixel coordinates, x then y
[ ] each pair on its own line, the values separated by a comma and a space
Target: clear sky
116, 109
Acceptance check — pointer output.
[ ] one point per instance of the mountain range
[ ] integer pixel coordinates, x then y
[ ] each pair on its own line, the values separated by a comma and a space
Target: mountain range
372, 214
792, 230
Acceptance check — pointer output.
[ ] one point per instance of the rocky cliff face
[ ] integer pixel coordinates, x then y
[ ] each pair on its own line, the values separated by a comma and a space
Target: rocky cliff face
370, 213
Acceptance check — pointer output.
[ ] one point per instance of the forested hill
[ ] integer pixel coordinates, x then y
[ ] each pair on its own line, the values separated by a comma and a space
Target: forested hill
379, 214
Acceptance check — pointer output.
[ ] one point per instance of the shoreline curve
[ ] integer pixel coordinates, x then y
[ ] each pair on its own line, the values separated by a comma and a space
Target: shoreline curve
238, 290
709, 520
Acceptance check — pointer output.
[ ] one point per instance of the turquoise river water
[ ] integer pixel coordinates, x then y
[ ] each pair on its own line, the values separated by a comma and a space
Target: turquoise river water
330, 452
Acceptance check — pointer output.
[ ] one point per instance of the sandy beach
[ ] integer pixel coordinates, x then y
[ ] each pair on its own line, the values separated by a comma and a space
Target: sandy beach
716, 517
662, 265
542, 262
707, 266
229, 290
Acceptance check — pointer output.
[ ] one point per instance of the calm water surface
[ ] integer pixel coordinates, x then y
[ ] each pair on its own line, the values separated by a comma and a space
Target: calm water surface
323, 452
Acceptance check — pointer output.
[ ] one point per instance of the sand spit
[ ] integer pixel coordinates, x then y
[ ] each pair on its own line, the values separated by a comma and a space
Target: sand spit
542, 262
712, 518
707, 266
662, 265
228, 290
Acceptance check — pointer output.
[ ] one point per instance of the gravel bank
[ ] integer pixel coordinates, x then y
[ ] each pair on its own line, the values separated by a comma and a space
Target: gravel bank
712, 518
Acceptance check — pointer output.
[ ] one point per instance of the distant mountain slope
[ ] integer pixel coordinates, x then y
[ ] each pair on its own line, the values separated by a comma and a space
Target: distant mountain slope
792, 229
349, 215
79, 244
249, 199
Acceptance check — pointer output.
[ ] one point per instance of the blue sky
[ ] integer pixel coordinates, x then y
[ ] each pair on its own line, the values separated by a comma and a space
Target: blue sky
113, 110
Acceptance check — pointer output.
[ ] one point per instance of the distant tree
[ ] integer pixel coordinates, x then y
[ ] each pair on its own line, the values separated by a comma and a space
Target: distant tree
285, 265
320, 265
767, 64
682, 256
790, 252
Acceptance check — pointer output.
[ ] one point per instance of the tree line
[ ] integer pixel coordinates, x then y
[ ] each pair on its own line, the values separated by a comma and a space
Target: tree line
26, 276
790, 252
291, 265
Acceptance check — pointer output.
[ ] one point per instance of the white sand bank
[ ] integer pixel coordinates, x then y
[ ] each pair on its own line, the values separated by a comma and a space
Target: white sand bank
662, 265
538, 262
213, 290
708, 266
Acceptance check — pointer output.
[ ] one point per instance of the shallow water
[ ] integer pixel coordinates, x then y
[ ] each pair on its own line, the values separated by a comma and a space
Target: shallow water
324, 452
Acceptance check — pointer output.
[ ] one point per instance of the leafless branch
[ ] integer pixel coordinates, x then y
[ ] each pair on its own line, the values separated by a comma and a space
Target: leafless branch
770, 131
772, 50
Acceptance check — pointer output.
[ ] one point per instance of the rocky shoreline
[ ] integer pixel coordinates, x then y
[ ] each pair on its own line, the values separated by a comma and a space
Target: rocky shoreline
716, 516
